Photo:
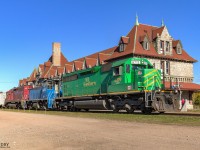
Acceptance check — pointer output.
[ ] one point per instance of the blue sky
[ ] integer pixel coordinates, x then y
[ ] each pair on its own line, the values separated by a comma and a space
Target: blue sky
28, 28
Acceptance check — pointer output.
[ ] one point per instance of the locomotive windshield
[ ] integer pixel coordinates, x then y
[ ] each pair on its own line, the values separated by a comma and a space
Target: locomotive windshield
138, 67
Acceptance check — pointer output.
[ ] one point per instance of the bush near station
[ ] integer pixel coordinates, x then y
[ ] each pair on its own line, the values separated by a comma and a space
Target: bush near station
196, 98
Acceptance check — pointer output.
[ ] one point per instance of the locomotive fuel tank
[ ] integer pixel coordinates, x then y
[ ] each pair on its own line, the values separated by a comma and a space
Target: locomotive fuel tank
91, 104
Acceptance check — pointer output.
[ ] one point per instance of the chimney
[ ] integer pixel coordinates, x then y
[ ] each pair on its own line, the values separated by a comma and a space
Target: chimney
56, 48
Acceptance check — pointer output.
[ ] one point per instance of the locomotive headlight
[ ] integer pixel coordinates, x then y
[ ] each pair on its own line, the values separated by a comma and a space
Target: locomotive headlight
129, 87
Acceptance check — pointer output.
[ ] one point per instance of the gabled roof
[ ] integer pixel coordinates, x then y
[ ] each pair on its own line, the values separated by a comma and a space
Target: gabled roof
23, 81
33, 76
60, 70
134, 47
158, 31
174, 43
51, 72
47, 64
78, 65
90, 62
103, 57
125, 40
68, 67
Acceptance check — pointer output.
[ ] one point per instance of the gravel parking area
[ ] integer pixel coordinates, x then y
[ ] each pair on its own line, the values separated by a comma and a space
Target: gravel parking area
24, 131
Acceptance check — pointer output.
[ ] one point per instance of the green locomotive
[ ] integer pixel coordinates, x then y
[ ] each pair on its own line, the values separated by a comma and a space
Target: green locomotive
129, 84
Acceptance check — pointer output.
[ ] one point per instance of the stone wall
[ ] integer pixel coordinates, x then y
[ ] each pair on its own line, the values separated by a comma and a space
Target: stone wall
181, 71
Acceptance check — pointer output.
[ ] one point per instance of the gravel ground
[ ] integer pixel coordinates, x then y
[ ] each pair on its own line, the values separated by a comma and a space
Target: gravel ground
23, 131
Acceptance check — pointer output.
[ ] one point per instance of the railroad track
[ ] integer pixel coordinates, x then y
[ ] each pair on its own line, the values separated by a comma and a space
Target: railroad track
192, 114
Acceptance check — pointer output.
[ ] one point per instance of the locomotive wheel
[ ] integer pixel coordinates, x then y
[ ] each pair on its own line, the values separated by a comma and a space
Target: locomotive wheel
114, 108
147, 111
44, 107
128, 108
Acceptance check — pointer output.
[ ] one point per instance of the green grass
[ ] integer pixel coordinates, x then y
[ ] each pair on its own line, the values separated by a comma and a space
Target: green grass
153, 118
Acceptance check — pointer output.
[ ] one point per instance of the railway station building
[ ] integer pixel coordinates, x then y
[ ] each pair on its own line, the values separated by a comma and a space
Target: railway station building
146, 41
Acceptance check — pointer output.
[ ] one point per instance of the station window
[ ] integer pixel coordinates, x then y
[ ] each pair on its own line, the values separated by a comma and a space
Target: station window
167, 67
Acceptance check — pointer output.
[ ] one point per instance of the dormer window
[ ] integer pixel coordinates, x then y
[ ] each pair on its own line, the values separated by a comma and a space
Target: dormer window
161, 46
121, 47
177, 45
179, 50
144, 40
123, 43
167, 46
146, 45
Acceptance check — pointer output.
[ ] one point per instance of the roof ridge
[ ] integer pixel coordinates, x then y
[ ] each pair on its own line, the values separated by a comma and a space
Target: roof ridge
149, 25
105, 54
89, 57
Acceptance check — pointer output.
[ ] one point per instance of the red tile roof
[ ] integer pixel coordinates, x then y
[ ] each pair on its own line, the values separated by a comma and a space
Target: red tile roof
78, 65
23, 81
184, 86
90, 62
60, 70
134, 47
68, 67
47, 64
63, 59
174, 43
157, 31
33, 76
103, 57
51, 72
125, 39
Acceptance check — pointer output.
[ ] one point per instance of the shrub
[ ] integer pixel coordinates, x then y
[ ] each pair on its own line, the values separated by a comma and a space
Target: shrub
196, 98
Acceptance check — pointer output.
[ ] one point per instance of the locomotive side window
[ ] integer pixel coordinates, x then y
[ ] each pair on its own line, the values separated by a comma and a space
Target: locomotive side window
117, 71
106, 67
127, 68
70, 78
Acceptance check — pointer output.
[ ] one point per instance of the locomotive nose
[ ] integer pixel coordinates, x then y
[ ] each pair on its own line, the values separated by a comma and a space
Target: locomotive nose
149, 79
